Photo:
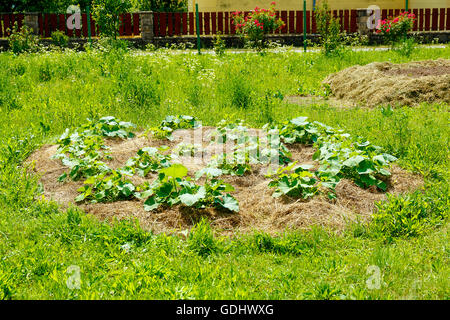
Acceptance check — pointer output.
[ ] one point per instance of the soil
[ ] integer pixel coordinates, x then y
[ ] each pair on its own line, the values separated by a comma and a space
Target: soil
384, 83
258, 209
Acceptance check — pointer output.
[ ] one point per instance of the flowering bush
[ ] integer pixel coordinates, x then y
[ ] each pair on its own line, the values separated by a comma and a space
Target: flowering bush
397, 28
257, 24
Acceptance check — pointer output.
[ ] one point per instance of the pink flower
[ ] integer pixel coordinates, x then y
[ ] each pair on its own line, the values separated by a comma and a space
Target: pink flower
273, 3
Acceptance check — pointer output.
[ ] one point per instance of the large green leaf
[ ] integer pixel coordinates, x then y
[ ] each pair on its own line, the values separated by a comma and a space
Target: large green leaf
210, 172
175, 171
300, 121
164, 190
191, 199
151, 204
229, 203
353, 161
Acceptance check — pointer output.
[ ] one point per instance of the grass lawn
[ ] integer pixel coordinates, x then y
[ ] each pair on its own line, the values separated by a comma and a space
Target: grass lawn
43, 247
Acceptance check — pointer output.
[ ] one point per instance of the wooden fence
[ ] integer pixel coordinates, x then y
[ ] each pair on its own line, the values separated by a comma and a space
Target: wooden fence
179, 24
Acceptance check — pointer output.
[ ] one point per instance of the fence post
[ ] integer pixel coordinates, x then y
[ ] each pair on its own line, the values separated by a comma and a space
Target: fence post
304, 25
31, 20
197, 26
361, 21
147, 32
89, 25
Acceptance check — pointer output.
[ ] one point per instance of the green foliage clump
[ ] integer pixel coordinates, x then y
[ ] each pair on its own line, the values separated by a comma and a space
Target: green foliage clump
201, 239
299, 130
340, 155
171, 123
149, 159
298, 184
82, 150
359, 161
59, 39
108, 186
410, 215
329, 29
107, 13
6, 286
23, 40
161, 5
219, 44
405, 47
248, 150
173, 187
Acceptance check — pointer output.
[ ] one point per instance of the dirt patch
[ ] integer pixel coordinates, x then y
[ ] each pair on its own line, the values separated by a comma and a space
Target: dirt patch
318, 100
258, 209
383, 83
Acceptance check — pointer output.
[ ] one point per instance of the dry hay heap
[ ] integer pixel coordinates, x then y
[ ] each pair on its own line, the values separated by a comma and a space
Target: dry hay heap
384, 83
341, 201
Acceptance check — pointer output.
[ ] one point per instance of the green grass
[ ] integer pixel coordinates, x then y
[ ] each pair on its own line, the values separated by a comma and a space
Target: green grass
42, 94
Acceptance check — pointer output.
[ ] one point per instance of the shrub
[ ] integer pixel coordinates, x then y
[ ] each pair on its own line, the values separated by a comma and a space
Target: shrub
6, 286
161, 5
406, 47
219, 44
201, 239
255, 26
106, 14
410, 215
23, 40
60, 39
111, 45
396, 29
329, 29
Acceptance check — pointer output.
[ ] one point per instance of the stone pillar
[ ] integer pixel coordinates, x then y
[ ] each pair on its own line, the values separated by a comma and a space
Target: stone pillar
361, 20
31, 20
146, 18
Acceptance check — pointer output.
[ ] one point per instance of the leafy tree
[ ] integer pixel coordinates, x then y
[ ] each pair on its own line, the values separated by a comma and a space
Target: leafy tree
106, 13
161, 5
60, 6
329, 29
53, 6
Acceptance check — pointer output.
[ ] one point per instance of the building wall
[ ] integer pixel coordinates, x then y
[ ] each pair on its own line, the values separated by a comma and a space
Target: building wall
243, 5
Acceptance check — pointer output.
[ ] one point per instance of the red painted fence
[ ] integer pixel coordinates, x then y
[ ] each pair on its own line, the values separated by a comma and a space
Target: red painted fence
178, 24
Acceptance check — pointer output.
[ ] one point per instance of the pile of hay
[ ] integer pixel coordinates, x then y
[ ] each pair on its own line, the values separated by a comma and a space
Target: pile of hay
384, 83
258, 209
